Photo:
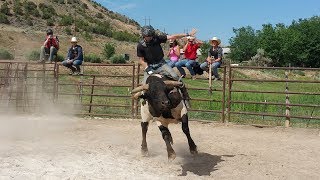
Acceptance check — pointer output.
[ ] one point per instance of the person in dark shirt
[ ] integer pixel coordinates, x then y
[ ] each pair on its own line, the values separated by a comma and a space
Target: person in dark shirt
50, 46
74, 57
151, 55
215, 54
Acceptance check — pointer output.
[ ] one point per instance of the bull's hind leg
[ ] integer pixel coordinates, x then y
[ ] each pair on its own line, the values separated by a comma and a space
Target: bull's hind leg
185, 129
146, 117
166, 135
144, 146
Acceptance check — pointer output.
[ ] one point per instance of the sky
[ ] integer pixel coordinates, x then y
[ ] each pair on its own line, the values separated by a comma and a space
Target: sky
212, 17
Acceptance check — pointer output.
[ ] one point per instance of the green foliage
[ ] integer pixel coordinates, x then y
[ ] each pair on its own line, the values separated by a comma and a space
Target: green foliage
297, 44
31, 8
99, 16
47, 11
68, 31
33, 55
5, 55
28, 20
17, 8
118, 59
103, 28
109, 50
5, 9
93, 58
87, 36
204, 48
50, 22
66, 20
4, 19
84, 6
243, 46
60, 58
59, 1
125, 36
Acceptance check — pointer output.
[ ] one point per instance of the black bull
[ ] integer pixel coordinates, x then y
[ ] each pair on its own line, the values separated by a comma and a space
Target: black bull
163, 103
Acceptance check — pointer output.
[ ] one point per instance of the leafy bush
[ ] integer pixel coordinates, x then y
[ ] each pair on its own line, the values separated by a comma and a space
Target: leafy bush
5, 55
5, 9
47, 11
87, 36
109, 50
99, 15
68, 31
4, 19
84, 6
17, 8
125, 36
31, 8
118, 59
92, 58
50, 22
60, 58
33, 55
259, 59
66, 20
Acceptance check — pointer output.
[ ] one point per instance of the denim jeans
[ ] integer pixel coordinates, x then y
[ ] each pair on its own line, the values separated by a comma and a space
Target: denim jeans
164, 70
75, 63
186, 63
204, 66
172, 64
52, 52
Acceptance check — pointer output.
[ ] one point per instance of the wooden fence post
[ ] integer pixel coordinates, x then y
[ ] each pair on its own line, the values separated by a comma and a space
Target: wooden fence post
287, 122
91, 97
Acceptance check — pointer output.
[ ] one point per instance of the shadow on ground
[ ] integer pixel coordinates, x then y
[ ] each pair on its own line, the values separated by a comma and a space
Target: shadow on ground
202, 164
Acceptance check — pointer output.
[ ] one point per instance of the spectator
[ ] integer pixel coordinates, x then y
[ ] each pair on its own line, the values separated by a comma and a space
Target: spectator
50, 47
74, 57
151, 55
190, 54
215, 54
173, 53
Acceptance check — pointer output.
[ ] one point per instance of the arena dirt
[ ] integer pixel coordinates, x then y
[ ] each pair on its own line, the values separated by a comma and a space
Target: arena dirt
61, 147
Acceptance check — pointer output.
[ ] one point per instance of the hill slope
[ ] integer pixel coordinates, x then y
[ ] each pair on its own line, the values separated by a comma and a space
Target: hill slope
23, 25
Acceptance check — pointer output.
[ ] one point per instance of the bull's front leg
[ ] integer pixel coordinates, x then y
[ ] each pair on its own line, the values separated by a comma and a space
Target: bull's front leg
144, 146
185, 129
166, 135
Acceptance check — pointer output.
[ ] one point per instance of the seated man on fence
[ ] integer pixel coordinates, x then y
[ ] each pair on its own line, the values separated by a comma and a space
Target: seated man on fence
50, 47
74, 58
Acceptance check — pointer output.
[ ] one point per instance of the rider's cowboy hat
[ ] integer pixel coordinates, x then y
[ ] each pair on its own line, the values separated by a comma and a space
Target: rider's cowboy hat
191, 37
74, 39
215, 39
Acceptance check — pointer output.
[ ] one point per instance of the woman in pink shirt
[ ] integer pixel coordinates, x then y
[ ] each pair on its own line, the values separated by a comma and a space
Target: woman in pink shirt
174, 53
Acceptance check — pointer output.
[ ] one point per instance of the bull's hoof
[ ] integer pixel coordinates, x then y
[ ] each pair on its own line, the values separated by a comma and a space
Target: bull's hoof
171, 157
144, 152
194, 151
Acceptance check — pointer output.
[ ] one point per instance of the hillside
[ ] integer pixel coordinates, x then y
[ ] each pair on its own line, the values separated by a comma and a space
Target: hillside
23, 25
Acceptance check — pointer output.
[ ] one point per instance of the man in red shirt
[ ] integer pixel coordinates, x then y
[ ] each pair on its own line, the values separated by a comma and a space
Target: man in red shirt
50, 46
190, 54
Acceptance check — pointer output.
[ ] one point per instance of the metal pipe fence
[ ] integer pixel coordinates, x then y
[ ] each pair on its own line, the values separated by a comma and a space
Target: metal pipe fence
104, 90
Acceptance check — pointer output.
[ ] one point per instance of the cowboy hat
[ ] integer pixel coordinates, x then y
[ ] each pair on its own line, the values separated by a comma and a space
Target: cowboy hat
215, 39
74, 39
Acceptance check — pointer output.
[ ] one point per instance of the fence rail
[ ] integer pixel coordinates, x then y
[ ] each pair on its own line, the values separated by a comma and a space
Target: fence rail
101, 93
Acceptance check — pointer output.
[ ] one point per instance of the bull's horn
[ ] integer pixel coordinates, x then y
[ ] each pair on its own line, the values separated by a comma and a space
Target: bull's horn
173, 83
140, 88
137, 95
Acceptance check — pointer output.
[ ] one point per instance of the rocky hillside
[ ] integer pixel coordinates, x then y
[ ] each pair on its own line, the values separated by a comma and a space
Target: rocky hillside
23, 24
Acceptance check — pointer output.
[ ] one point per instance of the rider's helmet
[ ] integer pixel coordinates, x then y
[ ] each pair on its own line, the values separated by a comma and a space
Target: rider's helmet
147, 31
49, 32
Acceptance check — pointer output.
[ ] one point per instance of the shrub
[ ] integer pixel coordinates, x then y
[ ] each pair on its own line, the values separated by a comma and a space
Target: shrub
17, 8
33, 55
92, 58
84, 6
125, 36
50, 22
87, 36
60, 58
5, 9
31, 8
68, 31
5, 55
99, 15
108, 50
47, 11
4, 19
66, 20
118, 59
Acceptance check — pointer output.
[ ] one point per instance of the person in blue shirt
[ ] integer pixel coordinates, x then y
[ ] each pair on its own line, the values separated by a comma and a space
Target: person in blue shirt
74, 57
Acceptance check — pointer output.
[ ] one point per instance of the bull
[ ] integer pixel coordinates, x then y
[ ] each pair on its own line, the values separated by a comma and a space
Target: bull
162, 102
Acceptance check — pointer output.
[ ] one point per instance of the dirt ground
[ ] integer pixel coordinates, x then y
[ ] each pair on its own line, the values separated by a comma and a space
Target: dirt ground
42, 147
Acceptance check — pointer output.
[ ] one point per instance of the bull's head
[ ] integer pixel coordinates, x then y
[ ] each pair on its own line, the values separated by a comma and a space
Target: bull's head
159, 94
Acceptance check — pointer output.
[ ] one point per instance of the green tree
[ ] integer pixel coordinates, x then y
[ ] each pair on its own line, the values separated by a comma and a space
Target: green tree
244, 44
109, 50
